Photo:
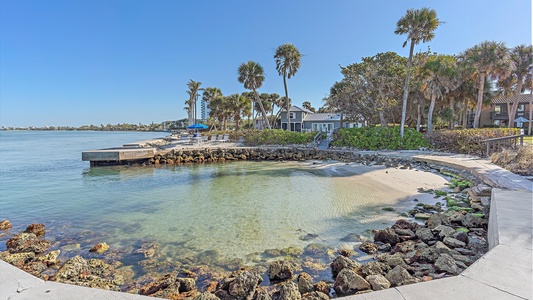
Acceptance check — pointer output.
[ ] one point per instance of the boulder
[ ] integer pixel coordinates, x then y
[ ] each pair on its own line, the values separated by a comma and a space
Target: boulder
446, 263
37, 229
205, 296
93, 273
281, 270
26, 242
322, 287
352, 237
348, 283
373, 268
404, 247
305, 283
243, 286
341, 262
472, 221
315, 296
161, 287
425, 234
399, 276
99, 248
436, 220
289, 291
454, 243
386, 235
368, 247
50, 259
17, 259
5, 225
441, 248
392, 260
444, 231
261, 293
378, 282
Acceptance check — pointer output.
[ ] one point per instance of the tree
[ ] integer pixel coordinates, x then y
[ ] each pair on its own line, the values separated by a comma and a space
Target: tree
236, 104
487, 59
252, 75
521, 58
307, 105
194, 87
419, 25
287, 58
440, 76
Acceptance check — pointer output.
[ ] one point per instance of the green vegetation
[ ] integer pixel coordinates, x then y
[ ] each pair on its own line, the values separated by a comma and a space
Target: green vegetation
276, 137
377, 138
468, 141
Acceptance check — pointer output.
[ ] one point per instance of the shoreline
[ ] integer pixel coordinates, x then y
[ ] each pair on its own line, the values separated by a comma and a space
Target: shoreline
338, 167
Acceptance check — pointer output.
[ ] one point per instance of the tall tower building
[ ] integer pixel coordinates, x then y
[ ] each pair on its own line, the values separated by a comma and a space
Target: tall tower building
204, 110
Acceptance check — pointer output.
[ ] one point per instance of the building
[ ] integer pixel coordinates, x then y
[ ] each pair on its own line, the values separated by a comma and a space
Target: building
499, 111
304, 120
204, 110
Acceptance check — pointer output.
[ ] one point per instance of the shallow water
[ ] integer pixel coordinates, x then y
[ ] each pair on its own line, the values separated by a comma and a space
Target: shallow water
233, 209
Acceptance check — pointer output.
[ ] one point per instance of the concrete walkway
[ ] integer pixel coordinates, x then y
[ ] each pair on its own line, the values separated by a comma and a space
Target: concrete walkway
505, 272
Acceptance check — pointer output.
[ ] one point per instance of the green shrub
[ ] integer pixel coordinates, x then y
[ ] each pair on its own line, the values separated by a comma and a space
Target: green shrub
377, 138
276, 137
468, 141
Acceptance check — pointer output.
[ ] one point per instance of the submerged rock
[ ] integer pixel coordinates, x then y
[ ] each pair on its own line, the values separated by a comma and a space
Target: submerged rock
100, 248
26, 242
37, 229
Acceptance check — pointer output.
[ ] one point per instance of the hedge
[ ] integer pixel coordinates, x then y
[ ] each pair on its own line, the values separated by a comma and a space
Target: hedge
378, 138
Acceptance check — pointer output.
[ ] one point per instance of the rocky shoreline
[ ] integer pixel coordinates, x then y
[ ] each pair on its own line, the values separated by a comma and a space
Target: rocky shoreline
430, 242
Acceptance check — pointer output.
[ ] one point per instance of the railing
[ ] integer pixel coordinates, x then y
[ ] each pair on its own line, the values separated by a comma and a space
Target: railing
501, 142
317, 139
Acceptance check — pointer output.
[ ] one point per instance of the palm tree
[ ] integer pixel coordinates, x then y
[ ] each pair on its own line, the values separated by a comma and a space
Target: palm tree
419, 25
287, 59
194, 87
440, 76
307, 105
487, 59
521, 57
252, 75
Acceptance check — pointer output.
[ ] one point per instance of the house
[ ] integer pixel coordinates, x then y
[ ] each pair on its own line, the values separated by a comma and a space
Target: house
499, 111
304, 120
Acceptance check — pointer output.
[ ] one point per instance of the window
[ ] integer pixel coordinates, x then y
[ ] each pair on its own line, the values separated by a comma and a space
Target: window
292, 115
498, 109
521, 107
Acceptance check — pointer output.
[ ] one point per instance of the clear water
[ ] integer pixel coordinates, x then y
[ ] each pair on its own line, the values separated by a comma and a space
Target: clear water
234, 208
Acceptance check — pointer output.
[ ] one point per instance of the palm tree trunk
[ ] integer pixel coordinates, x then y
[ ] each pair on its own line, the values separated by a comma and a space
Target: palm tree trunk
465, 114
382, 119
419, 116
406, 88
514, 108
530, 110
265, 119
453, 117
287, 99
430, 111
479, 99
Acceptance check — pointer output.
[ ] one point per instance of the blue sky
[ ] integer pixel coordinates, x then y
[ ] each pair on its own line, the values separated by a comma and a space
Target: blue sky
99, 62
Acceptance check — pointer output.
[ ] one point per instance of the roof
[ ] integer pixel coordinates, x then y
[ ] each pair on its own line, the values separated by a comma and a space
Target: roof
524, 98
322, 117
296, 108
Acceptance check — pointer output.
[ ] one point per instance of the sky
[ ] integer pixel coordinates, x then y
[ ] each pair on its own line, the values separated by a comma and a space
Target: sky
73, 63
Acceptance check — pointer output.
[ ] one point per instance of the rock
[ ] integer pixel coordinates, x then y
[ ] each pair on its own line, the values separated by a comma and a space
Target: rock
454, 243
5, 225
399, 276
149, 250
461, 236
100, 248
341, 262
322, 287
404, 224
422, 216
405, 234
261, 293
315, 296
378, 282
446, 263
308, 237
436, 220
404, 247
281, 270
348, 282
243, 286
17, 259
346, 252
424, 255
93, 273
352, 237
26, 242
37, 229
205, 296
50, 259
386, 235
472, 221
425, 234
186, 284
373, 268
441, 248
444, 231
316, 250
289, 291
392, 260
305, 283
383, 247
368, 247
